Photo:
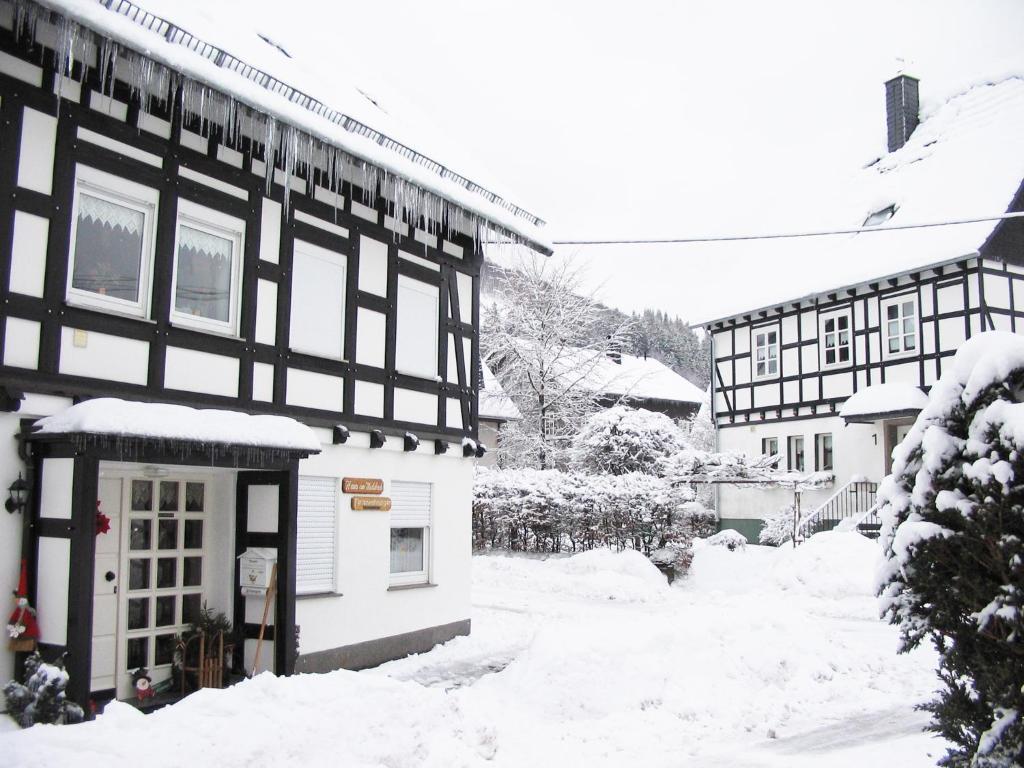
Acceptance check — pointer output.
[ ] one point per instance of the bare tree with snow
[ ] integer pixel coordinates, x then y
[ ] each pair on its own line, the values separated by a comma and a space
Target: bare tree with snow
539, 337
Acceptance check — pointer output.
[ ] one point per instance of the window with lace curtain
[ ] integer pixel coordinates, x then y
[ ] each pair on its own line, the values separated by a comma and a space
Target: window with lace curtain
112, 240
207, 257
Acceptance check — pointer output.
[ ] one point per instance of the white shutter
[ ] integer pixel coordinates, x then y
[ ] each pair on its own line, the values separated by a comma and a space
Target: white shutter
410, 504
416, 336
314, 561
318, 301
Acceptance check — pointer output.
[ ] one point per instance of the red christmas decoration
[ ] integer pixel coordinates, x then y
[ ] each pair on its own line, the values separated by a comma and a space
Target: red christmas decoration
102, 521
22, 627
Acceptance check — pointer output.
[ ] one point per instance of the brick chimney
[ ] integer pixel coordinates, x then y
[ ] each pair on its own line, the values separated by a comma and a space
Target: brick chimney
900, 109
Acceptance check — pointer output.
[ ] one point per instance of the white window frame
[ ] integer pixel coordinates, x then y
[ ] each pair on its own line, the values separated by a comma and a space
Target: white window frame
327, 585
883, 319
819, 453
410, 578
823, 335
755, 345
218, 224
434, 292
312, 251
791, 454
128, 194
764, 444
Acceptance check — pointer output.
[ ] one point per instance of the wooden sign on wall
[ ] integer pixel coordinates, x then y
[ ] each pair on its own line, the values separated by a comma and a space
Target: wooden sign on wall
362, 485
374, 503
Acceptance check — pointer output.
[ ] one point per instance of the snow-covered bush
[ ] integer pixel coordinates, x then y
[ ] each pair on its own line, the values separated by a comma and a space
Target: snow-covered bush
778, 526
953, 539
620, 440
553, 511
42, 699
729, 538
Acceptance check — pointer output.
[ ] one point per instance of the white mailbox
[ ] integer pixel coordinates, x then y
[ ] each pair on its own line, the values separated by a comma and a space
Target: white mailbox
257, 565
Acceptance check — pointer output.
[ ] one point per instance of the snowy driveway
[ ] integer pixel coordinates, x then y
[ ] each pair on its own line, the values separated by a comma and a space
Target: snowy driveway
763, 658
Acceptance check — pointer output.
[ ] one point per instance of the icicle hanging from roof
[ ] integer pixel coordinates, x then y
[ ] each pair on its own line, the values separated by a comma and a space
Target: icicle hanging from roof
284, 146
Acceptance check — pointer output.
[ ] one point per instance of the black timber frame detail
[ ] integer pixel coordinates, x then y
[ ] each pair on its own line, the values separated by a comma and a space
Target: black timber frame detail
282, 633
864, 372
53, 313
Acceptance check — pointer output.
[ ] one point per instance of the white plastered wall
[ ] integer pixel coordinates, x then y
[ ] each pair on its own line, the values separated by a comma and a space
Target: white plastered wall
857, 450
363, 607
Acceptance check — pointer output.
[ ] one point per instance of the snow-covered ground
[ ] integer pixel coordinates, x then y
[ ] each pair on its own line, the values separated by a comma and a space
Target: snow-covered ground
762, 658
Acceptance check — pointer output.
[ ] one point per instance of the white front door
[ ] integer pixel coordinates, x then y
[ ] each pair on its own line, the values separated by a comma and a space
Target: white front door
163, 556
105, 588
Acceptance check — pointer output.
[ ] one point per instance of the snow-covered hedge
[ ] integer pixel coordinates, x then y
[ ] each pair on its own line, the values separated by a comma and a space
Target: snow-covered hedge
953, 538
553, 511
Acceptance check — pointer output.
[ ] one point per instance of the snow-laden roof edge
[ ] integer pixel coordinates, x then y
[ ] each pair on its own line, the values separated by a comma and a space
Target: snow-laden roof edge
892, 397
162, 421
840, 288
96, 16
493, 402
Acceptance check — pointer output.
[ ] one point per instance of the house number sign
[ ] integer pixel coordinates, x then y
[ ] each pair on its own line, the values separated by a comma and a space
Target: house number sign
362, 485
374, 503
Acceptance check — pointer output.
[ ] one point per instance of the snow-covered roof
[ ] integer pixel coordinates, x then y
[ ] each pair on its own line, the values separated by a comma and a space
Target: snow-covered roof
124, 418
640, 377
890, 398
965, 159
495, 404
304, 88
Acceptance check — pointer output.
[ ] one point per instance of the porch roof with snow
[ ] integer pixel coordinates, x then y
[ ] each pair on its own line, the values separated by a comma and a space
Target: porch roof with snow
305, 88
965, 159
136, 431
883, 401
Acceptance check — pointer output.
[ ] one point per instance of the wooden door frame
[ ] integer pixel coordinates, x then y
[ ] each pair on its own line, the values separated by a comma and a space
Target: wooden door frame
284, 540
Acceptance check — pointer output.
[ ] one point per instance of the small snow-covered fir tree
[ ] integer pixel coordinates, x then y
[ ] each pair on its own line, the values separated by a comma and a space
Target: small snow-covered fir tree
543, 336
42, 698
953, 538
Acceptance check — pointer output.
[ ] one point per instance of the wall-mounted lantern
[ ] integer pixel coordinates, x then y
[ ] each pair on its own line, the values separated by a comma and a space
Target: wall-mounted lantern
17, 495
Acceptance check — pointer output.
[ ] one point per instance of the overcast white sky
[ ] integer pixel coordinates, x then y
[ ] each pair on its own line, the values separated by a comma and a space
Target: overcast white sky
647, 119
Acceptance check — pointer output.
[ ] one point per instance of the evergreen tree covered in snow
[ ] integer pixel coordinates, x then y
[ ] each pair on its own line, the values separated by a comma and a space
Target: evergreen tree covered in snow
42, 698
544, 338
953, 538
623, 439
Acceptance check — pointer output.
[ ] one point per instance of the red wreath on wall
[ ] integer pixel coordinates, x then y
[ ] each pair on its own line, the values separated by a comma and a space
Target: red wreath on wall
102, 521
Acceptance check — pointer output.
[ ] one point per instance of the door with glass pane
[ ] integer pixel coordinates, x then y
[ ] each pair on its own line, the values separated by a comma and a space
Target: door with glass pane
163, 553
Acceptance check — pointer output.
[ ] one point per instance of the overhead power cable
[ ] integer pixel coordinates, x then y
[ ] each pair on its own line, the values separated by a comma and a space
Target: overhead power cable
790, 235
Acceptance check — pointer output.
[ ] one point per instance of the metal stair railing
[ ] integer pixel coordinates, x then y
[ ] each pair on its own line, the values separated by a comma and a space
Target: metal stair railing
856, 497
868, 524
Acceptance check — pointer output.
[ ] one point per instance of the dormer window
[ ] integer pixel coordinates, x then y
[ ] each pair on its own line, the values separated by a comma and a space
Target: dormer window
880, 216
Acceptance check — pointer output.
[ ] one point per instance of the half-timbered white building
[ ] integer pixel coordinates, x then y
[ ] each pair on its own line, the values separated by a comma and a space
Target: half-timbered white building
831, 372
189, 228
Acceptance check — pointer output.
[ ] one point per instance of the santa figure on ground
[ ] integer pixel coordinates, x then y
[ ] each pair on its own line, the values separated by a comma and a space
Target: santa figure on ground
22, 627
